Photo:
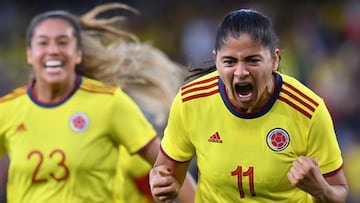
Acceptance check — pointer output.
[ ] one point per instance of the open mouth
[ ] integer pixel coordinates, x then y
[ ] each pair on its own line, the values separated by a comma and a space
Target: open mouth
243, 90
53, 64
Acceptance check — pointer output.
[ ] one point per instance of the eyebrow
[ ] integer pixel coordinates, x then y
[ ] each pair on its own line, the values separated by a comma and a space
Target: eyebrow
227, 57
254, 55
46, 36
246, 57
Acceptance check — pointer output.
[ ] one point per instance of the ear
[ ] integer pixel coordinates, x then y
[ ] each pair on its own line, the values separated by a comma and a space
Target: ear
28, 55
79, 55
277, 58
214, 54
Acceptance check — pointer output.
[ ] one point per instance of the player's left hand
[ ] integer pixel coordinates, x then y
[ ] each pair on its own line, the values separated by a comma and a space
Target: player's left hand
305, 174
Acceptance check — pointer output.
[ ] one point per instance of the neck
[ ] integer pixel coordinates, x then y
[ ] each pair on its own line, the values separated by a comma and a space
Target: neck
268, 92
52, 93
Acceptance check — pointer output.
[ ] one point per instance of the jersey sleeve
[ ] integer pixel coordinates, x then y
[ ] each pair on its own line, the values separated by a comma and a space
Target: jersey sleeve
322, 142
129, 125
2, 146
4, 126
176, 142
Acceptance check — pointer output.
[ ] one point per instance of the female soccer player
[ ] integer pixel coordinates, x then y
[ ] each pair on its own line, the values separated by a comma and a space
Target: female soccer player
258, 135
63, 130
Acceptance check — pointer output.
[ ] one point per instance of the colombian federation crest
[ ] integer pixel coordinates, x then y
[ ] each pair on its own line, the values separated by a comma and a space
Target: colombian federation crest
278, 139
79, 122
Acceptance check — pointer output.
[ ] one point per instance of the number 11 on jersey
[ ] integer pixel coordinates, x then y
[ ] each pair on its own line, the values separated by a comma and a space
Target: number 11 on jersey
240, 175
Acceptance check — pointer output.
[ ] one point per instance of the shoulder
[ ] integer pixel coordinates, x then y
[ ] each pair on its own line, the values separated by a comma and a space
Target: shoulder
204, 86
97, 87
16, 93
299, 96
295, 86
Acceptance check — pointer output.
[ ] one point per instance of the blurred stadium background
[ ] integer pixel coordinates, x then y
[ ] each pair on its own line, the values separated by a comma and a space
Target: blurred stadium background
320, 43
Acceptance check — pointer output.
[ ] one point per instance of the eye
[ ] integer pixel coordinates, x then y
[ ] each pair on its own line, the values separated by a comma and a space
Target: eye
253, 60
228, 62
41, 43
63, 42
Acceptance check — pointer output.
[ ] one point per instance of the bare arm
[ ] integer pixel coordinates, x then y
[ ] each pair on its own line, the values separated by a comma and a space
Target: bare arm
4, 167
336, 189
305, 174
166, 179
187, 193
150, 151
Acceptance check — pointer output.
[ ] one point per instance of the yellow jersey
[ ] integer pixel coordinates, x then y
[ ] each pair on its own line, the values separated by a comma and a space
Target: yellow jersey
246, 157
132, 180
68, 151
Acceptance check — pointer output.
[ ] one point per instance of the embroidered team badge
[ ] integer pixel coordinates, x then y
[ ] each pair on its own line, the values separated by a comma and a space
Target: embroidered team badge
278, 139
79, 122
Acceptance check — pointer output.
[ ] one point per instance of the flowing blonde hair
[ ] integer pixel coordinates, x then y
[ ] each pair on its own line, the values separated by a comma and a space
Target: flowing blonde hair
116, 57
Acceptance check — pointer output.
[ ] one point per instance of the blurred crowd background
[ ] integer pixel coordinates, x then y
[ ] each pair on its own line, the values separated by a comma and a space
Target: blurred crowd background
319, 40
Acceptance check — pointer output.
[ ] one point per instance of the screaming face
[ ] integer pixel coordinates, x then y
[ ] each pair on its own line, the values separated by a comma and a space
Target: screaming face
246, 69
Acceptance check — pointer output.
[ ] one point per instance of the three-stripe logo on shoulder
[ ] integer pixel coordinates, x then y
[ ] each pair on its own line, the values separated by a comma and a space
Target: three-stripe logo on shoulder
201, 88
298, 100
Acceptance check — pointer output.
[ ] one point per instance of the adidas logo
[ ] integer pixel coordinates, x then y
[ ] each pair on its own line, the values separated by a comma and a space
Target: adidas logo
21, 128
215, 138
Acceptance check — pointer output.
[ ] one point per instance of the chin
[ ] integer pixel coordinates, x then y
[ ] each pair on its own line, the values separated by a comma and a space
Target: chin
55, 80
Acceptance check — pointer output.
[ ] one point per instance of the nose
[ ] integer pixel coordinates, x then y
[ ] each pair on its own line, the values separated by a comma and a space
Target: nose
241, 71
53, 48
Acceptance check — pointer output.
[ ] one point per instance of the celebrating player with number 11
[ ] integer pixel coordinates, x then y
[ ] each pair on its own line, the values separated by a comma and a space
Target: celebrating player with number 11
258, 135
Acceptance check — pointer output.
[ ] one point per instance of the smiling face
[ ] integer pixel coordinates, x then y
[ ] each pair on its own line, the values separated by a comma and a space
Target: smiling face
246, 69
53, 52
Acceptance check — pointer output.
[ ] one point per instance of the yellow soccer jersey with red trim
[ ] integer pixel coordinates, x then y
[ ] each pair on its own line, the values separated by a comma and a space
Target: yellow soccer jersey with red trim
246, 157
68, 151
131, 167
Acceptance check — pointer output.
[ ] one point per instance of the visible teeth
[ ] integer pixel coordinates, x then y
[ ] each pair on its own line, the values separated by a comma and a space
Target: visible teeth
53, 63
